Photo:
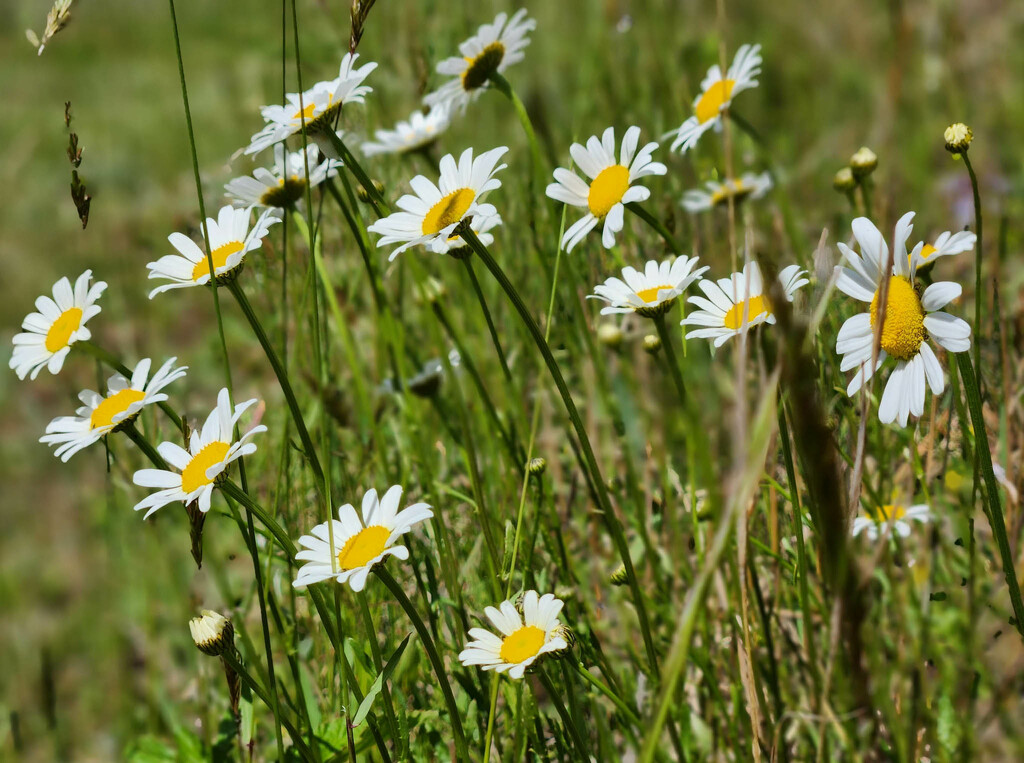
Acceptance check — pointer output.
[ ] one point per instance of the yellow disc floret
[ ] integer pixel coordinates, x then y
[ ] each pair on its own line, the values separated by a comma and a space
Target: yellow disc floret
522, 644
753, 307
447, 211
607, 190
711, 102
194, 476
62, 329
103, 414
903, 330
364, 546
219, 256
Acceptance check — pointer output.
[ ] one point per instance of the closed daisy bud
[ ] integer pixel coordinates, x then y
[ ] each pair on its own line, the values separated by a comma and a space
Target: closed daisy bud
537, 466
863, 162
958, 137
564, 632
362, 194
618, 576
844, 181
433, 291
609, 335
652, 343
213, 633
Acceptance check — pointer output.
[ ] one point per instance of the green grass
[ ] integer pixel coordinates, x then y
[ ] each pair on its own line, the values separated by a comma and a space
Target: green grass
921, 661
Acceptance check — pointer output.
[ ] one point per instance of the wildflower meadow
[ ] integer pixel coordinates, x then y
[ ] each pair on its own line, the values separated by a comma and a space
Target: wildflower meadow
571, 381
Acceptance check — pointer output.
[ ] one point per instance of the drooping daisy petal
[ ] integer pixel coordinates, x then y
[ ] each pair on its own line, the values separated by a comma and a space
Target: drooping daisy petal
611, 184
348, 548
896, 517
211, 450
420, 130
717, 193
59, 323
649, 292
284, 184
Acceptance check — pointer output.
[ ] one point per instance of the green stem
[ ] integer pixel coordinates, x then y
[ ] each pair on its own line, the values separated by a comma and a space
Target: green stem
600, 486
590, 678
670, 355
984, 455
490, 323
567, 721
282, 378
462, 752
380, 207
979, 294
656, 224
505, 88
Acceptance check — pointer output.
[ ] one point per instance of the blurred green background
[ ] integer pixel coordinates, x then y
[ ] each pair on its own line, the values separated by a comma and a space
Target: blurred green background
92, 611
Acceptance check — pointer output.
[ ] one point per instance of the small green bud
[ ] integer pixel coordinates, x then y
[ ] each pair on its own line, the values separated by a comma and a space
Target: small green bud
844, 181
652, 343
537, 466
618, 576
863, 162
958, 137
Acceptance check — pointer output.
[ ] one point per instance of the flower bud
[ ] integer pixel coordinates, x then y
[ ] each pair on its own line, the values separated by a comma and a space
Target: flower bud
618, 576
958, 137
610, 335
863, 162
844, 181
564, 632
652, 343
213, 633
537, 466
363, 195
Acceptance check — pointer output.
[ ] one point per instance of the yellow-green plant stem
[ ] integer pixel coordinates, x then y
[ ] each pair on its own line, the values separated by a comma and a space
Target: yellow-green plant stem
380, 207
984, 456
461, 750
600, 486
979, 293
503, 86
656, 225
567, 721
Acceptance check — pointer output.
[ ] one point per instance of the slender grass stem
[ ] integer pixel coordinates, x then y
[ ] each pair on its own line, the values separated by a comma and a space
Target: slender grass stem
670, 355
567, 721
380, 207
657, 225
979, 293
600, 486
462, 752
505, 88
984, 456
625, 709
468, 262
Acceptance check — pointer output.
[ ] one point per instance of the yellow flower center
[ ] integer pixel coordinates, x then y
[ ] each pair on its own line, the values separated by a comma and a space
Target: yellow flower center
651, 294
522, 644
103, 414
219, 255
447, 211
361, 548
753, 307
734, 188
287, 192
710, 103
307, 112
481, 67
607, 190
903, 330
62, 329
927, 251
193, 476
882, 514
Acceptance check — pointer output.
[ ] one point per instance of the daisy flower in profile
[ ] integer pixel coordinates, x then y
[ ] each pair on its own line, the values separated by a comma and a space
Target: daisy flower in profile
230, 240
716, 93
318, 107
358, 545
897, 517
494, 48
649, 292
716, 193
284, 184
947, 243
734, 305
198, 469
911, 318
524, 638
431, 213
59, 323
611, 183
100, 415
421, 130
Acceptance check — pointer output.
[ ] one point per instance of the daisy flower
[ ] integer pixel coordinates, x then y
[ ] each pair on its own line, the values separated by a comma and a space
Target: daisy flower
523, 638
285, 183
210, 452
650, 292
947, 243
881, 519
421, 130
319, 108
717, 193
60, 322
99, 416
611, 183
358, 545
230, 240
431, 213
494, 48
716, 93
911, 318
736, 304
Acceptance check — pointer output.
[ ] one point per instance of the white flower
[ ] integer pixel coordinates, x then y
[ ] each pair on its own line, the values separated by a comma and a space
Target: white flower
101, 415
319, 109
421, 130
716, 93
911, 317
611, 183
649, 292
60, 322
430, 214
749, 186
948, 243
880, 520
494, 48
357, 546
230, 241
285, 183
209, 453
736, 304
523, 639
